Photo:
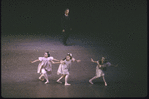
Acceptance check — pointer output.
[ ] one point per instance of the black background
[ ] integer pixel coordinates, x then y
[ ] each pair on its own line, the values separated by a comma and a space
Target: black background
100, 16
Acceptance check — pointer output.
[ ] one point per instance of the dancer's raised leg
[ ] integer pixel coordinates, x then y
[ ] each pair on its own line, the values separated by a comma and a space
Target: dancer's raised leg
60, 79
90, 81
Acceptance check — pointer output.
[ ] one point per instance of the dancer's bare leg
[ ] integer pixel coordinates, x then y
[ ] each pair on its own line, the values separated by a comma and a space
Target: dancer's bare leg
40, 78
46, 77
60, 79
104, 81
66, 78
90, 81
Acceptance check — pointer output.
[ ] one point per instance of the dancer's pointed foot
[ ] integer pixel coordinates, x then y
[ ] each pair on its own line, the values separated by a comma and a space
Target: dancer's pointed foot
67, 84
39, 78
58, 81
46, 82
105, 84
42, 79
90, 82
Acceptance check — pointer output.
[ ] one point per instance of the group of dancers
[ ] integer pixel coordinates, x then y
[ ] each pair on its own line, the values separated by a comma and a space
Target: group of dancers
45, 67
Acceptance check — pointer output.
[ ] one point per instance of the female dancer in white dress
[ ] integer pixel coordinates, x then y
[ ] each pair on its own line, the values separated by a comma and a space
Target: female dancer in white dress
101, 65
45, 66
64, 68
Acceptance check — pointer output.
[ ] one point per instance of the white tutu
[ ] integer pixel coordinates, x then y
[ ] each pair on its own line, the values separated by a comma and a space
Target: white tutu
44, 64
64, 68
99, 72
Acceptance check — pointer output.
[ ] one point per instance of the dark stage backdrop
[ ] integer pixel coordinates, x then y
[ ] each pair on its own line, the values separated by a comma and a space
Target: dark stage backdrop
117, 17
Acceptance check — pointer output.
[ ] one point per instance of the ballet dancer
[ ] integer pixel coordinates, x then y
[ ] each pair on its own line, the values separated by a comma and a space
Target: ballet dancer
45, 66
64, 68
101, 66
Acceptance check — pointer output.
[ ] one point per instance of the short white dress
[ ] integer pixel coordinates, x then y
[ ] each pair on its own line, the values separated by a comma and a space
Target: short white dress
45, 66
65, 67
99, 71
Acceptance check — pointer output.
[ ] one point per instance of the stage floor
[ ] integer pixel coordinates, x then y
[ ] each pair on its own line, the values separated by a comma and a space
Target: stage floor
19, 77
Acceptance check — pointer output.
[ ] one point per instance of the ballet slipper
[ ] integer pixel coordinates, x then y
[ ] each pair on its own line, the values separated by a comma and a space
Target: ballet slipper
46, 82
66, 78
67, 84
90, 82
58, 81
40, 78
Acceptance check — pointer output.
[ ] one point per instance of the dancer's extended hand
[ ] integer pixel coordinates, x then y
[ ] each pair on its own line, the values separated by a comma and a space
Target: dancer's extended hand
78, 61
62, 62
92, 60
35, 61
31, 61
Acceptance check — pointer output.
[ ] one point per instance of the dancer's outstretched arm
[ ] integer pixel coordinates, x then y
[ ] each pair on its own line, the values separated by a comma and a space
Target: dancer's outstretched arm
114, 65
109, 64
73, 60
60, 62
93, 61
35, 61
56, 60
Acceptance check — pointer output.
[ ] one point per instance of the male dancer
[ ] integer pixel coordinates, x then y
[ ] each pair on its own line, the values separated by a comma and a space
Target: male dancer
65, 23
